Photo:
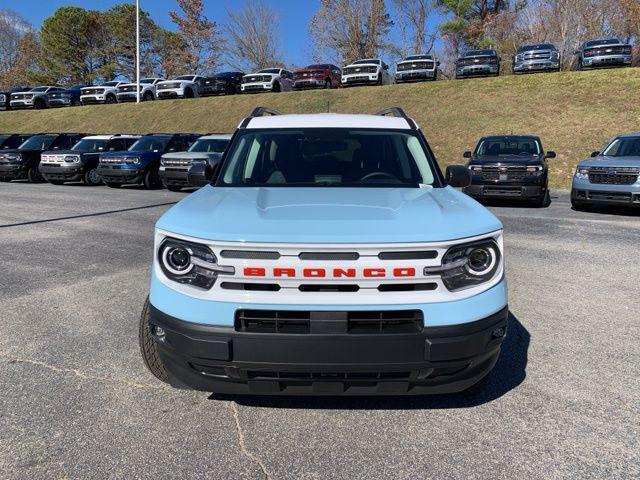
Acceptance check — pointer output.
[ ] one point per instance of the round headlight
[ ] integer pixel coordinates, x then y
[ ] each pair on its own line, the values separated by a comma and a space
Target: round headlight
481, 260
177, 259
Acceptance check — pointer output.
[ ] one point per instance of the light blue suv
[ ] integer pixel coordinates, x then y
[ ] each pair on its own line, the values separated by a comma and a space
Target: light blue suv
609, 177
328, 256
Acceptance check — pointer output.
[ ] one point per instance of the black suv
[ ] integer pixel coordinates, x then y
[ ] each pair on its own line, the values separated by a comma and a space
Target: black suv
478, 63
24, 161
222, 83
509, 166
10, 141
5, 97
80, 163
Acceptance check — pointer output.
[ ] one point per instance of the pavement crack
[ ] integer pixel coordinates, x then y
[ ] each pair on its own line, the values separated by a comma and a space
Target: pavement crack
243, 447
77, 373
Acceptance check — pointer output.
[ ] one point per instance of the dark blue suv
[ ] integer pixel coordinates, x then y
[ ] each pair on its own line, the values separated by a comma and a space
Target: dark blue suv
140, 164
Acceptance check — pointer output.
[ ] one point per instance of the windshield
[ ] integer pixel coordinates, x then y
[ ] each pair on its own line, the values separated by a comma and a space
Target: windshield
226, 74
418, 57
327, 158
321, 66
623, 147
361, 62
209, 145
90, 145
508, 146
594, 43
39, 89
150, 144
147, 80
110, 84
474, 53
270, 70
38, 142
544, 46
185, 77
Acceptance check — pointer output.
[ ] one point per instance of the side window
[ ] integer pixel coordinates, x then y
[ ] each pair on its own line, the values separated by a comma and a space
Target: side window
177, 145
116, 145
60, 143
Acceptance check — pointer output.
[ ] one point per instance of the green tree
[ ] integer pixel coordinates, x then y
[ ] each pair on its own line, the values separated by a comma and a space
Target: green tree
168, 47
469, 18
72, 39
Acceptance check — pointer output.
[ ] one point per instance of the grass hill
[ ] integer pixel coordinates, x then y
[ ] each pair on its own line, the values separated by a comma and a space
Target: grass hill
573, 112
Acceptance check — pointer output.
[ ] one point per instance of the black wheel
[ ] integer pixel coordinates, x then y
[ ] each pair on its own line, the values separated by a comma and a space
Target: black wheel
580, 67
579, 206
151, 179
173, 188
148, 348
276, 87
113, 185
76, 103
39, 104
55, 182
327, 83
147, 97
91, 177
111, 99
33, 175
379, 82
544, 200
188, 93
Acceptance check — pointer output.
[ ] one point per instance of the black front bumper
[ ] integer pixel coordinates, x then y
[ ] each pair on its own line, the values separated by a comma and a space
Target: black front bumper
603, 197
222, 360
167, 95
174, 176
13, 171
121, 175
505, 190
62, 172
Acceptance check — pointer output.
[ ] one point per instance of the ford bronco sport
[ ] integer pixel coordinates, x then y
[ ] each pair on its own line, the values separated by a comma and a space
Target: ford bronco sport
329, 256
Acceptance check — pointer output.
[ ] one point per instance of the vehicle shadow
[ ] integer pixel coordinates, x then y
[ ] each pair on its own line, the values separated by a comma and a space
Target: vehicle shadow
615, 210
509, 372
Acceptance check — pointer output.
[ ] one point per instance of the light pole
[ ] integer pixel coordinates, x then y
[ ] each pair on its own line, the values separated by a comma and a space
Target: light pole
137, 51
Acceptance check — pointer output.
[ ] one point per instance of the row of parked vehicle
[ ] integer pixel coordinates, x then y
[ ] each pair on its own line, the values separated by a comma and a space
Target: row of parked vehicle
371, 71
501, 166
174, 161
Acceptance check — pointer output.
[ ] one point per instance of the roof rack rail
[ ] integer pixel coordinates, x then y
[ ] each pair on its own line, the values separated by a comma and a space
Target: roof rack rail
399, 113
259, 112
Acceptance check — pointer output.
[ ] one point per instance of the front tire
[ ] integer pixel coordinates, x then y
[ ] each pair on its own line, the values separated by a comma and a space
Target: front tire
148, 348
147, 97
39, 104
111, 99
151, 179
276, 88
33, 175
91, 177
544, 200
579, 206
327, 84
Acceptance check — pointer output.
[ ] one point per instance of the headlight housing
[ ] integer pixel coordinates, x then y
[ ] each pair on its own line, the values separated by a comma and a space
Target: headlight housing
534, 168
468, 265
475, 168
190, 263
72, 158
133, 160
582, 173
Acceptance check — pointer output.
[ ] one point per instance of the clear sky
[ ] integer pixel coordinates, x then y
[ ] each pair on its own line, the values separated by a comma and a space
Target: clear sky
294, 17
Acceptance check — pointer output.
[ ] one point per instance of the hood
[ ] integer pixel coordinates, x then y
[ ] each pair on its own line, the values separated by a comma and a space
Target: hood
328, 215
357, 65
507, 159
610, 162
191, 155
70, 152
309, 70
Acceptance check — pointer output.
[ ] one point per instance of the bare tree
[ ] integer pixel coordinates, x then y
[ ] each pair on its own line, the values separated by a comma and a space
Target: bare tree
253, 43
12, 29
345, 30
412, 18
202, 38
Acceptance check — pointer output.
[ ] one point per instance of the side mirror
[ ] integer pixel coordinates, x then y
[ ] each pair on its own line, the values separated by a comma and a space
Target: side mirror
467, 154
594, 154
438, 63
386, 67
550, 154
458, 176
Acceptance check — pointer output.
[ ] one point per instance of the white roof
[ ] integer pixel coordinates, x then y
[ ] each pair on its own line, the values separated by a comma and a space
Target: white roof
329, 120
216, 136
109, 137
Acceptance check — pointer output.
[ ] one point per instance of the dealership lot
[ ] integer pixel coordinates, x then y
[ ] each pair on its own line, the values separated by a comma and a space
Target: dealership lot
563, 401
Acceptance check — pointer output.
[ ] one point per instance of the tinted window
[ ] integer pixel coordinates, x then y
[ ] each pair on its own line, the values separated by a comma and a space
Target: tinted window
419, 57
543, 46
319, 66
508, 146
38, 142
40, 89
150, 144
624, 147
3, 138
595, 43
326, 158
209, 145
270, 70
178, 145
110, 84
185, 77
360, 62
147, 80
90, 144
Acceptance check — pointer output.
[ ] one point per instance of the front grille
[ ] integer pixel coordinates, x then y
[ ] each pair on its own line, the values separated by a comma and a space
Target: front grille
305, 75
536, 55
176, 162
52, 159
19, 96
512, 172
477, 61
3, 98
92, 91
257, 78
327, 376
59, 95
252, 255
351, 70
114, 160
167, 86
614, 176
611, 50
415, 66
127, 88
353, 322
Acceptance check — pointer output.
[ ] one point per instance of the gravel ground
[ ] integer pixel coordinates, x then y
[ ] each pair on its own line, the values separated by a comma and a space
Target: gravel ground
563, 401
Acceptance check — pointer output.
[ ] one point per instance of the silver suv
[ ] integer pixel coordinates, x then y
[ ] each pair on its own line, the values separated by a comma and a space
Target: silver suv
610, 52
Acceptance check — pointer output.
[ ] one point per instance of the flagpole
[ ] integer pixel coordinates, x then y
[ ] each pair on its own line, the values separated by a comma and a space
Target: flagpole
137, 51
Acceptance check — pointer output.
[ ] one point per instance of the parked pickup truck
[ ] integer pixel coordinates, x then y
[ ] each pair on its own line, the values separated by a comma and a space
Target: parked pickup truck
478, 63
177, 167
5, 96
186, 86
69, 97
38, 97
127, 91
24, 161
610, 176
141, 162
509, 166
417, 68
608, 52
105, 93
542, 57
225, 83
330, 256
322, 75
80, 163
368, 71
268, 80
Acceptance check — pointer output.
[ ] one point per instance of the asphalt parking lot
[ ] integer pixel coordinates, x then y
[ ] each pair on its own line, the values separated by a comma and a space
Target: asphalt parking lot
76, 402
